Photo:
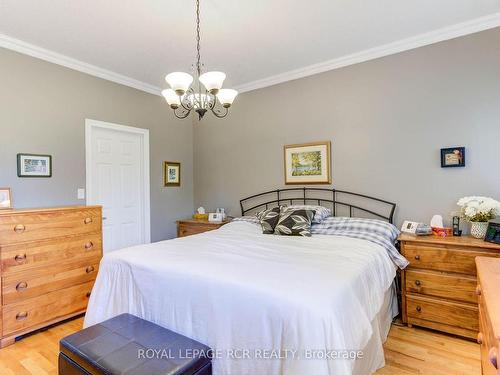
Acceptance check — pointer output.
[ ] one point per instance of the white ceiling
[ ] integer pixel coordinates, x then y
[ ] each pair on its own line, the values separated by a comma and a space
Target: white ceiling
250, 40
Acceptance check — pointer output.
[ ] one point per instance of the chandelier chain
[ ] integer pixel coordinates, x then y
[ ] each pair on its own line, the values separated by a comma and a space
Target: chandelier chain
198, 54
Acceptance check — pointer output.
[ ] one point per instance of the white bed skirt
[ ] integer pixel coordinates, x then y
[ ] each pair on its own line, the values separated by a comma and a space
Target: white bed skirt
373, 354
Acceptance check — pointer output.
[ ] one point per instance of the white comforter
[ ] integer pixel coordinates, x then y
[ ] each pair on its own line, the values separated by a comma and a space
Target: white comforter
236, 288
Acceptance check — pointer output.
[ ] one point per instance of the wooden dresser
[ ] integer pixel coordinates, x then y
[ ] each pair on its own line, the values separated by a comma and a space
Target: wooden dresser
439, 284
189, 227
488, 291
49, 261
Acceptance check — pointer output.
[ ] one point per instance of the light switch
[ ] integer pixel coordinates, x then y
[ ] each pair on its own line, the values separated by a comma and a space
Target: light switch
81, 193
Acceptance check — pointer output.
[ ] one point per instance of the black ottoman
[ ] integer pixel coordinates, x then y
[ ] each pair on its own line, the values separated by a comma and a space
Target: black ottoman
128, 345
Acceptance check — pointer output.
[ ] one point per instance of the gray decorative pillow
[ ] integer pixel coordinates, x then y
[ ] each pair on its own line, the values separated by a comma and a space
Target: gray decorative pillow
320, 212
268, 219
294, 222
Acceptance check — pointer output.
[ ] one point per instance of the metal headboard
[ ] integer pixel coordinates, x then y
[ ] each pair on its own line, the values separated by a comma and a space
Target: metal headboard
336, 199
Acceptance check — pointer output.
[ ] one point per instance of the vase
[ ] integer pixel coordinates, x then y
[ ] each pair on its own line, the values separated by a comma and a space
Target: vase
478, 229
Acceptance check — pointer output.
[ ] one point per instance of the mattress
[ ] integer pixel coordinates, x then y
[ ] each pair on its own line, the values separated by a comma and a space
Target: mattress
266, 304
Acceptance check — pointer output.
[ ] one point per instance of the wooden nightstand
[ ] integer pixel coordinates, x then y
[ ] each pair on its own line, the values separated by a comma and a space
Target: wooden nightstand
438, 287
189, 227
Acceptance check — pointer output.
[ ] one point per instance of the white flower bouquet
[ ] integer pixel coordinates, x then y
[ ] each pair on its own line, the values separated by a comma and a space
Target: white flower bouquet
479, 209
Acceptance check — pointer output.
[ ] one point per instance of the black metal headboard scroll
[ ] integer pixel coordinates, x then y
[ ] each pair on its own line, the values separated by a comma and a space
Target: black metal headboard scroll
342, 203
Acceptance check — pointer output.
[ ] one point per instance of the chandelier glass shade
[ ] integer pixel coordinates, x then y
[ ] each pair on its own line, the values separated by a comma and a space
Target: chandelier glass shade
206, 94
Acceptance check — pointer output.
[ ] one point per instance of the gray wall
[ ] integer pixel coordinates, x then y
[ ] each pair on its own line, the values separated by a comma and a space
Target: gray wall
387, 120
42, 110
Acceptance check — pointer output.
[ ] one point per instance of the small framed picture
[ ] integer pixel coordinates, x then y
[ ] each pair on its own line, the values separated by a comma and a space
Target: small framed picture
32, 165
453, 157
5, 199
171, 173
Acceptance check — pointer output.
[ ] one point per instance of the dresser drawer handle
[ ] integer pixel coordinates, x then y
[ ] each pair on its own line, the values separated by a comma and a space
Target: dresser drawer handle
480, 338
419, 308
417, 257
87, 295
19, 228
492, 355
418, 282
87, 220
89, 269
22, 315
89, 245
20, 258
21, 286
478, 290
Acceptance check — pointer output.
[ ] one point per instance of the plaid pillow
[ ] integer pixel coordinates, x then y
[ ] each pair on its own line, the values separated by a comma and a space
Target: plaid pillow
293, 222
268, 219
376, 231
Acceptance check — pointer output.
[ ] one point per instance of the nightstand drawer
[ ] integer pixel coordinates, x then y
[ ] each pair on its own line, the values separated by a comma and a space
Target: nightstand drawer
193, 226
188, 230
442, 259
456, 287
449, 313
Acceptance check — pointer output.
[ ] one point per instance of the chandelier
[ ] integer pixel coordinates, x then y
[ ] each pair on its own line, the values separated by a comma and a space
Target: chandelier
206, 94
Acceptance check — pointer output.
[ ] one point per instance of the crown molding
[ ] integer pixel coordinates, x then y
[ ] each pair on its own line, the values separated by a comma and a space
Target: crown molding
439, 35
69, 62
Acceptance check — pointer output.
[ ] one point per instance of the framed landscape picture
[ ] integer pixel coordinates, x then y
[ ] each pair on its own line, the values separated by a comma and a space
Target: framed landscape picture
171, 173
308, 163
32, 165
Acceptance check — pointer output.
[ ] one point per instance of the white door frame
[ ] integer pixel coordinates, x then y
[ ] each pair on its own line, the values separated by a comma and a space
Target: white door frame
90, 125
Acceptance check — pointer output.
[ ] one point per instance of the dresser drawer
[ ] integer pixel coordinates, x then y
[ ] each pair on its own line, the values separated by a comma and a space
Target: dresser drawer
444, 312
442, 259
18, 287
452, 286
21, 227
32, 312
23, 257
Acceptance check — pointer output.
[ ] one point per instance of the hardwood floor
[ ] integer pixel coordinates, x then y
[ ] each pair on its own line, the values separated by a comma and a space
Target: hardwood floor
407, 351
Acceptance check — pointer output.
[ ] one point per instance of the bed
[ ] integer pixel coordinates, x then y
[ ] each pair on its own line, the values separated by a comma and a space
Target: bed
266, 304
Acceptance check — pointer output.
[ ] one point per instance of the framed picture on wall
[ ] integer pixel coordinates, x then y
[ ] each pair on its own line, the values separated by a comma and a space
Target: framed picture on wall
453, 157
171, 173
308, 163
5, 199
33, 165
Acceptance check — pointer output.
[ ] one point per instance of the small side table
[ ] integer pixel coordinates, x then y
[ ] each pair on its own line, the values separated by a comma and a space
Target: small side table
189, 227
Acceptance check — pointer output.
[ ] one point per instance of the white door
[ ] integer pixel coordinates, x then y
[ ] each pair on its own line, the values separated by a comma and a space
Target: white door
118, 179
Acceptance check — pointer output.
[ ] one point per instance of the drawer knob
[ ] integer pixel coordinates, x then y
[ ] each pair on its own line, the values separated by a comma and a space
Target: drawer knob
417, 257
418, 283
20, 258
419, 308
89, 269
89, 245
19, 228
87, 295
480, 338
21, 286
478, 290
22, 315
87, 220
492, 355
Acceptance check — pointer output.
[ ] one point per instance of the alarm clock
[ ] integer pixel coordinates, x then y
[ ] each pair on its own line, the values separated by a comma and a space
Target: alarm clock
493, 232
